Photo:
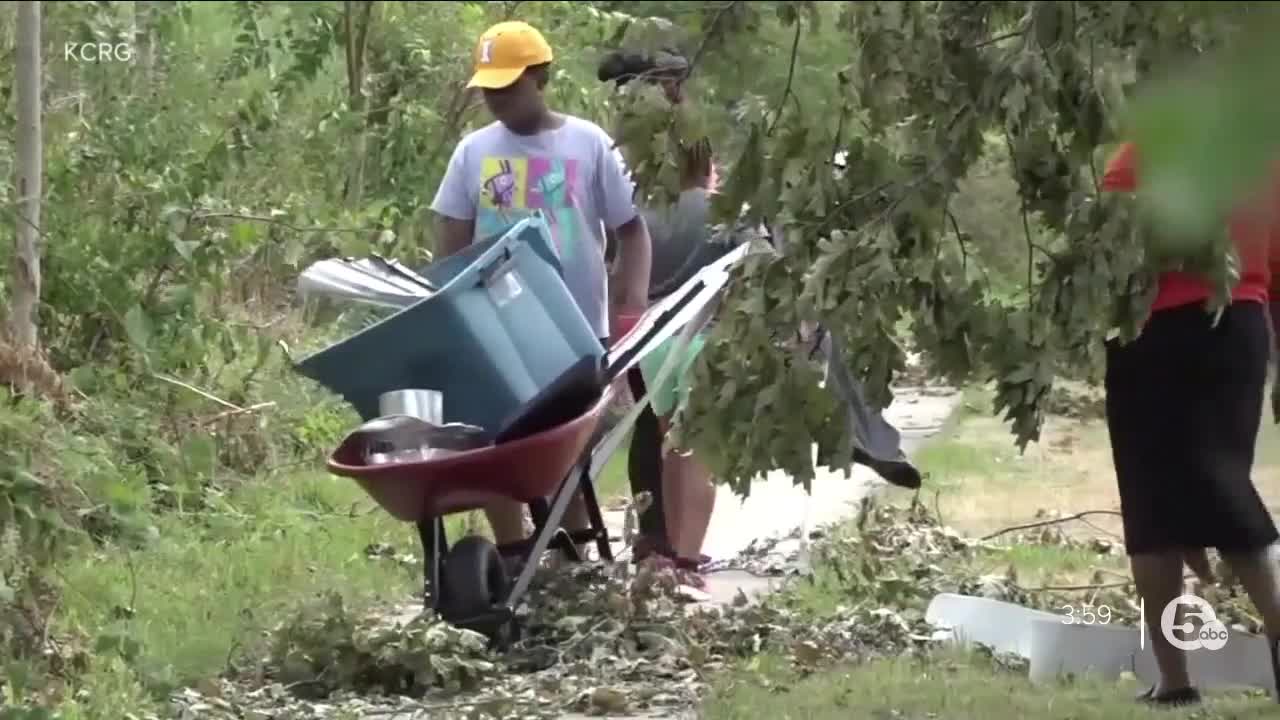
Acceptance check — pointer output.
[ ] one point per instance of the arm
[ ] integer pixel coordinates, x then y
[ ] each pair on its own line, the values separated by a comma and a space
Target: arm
691, 213
626, 227
635, 257
685, 222
455, 205
455, 235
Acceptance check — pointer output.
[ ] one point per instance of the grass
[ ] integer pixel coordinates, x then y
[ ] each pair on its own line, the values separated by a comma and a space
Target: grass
948, 686
198, 598
207, 586
979, 484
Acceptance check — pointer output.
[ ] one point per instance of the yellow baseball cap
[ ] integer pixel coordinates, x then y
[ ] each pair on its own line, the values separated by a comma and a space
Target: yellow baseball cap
503, 53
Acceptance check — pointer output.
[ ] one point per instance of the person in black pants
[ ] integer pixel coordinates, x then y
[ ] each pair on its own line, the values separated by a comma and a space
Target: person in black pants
682, 492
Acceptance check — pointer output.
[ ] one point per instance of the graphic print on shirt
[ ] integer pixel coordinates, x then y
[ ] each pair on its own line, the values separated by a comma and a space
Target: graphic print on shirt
512, 188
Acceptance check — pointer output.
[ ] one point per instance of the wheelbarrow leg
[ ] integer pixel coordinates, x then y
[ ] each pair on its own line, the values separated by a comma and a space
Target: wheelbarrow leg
544, 535
434, 547
596, 518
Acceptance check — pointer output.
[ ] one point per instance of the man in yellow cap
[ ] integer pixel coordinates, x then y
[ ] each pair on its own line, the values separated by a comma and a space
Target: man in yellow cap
533, 159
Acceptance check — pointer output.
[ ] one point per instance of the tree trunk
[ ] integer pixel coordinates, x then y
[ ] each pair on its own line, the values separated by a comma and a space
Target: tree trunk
356, 20
379, 113
28, 185
144, 40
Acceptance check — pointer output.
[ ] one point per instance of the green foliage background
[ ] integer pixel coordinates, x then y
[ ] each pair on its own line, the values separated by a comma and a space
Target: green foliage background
185, 194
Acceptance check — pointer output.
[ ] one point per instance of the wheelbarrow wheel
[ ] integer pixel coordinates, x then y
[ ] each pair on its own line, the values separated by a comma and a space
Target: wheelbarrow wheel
474, 578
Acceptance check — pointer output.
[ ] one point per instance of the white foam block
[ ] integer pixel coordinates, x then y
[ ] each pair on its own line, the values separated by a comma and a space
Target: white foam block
1003, 626
1055, 647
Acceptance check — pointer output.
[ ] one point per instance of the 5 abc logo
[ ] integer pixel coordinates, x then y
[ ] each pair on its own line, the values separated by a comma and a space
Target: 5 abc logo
1211, 635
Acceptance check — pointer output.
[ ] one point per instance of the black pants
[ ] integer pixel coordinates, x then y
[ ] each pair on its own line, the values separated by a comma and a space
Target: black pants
644, 463
1184, 405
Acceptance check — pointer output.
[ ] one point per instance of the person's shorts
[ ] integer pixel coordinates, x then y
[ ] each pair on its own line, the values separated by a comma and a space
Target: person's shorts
666, 398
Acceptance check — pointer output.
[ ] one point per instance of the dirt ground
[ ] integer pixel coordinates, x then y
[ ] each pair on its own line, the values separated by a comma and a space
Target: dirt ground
980, 483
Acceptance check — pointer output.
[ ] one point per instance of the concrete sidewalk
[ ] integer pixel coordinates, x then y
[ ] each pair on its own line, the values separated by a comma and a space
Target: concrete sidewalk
777, 508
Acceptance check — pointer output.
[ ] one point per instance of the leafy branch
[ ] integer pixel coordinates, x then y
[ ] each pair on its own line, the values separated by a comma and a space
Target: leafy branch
791, 74
869, 250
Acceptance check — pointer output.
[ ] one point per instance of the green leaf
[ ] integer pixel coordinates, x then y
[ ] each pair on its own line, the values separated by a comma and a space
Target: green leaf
200, 453
137, 327
243, 235
83, 378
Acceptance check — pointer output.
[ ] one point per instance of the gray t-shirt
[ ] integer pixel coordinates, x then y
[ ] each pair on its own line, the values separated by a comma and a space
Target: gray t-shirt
573, 174
679, 232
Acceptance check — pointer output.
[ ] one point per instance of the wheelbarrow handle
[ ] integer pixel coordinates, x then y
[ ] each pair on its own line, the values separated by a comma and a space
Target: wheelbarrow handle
496, 267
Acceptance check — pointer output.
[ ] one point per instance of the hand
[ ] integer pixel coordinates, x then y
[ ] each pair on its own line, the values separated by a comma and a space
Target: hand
623, 320
696, 172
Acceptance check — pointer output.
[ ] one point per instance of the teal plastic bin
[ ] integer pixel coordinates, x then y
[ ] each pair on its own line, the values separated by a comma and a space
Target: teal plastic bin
502, 330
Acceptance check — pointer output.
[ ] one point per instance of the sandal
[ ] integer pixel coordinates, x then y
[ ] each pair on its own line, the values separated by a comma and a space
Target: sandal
645, 548
688, 571
1170, 698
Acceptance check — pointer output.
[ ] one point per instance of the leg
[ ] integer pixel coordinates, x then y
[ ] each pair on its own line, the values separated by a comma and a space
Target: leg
645, 470
683, 502
1198, 560
1159, 580
1142, 431
1244, 530
1224, 369
576, 519
697, 498
506, 517
690, 495
1259, 572
674, 501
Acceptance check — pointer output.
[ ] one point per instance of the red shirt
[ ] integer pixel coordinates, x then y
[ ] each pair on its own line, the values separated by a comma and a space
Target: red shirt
1251, 228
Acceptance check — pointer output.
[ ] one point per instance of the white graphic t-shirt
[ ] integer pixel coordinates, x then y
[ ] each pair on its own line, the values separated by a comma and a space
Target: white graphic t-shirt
573, 174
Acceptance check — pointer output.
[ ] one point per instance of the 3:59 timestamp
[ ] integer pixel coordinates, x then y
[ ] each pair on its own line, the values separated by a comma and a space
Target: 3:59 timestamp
1086, 615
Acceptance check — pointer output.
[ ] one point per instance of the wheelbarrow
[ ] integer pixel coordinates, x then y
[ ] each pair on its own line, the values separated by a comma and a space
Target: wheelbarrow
467, 582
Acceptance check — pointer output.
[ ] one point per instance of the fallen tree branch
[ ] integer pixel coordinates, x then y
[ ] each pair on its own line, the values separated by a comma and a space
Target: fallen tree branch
1078, 588
1045, 523
1095, 586
239, 411
199, 392
281, 223
1000, 38
473, 704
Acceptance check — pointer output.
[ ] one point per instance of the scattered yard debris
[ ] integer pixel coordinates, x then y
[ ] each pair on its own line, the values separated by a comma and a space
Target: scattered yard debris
598, 641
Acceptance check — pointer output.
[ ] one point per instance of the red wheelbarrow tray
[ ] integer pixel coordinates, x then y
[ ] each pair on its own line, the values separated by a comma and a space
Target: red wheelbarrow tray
523, 470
